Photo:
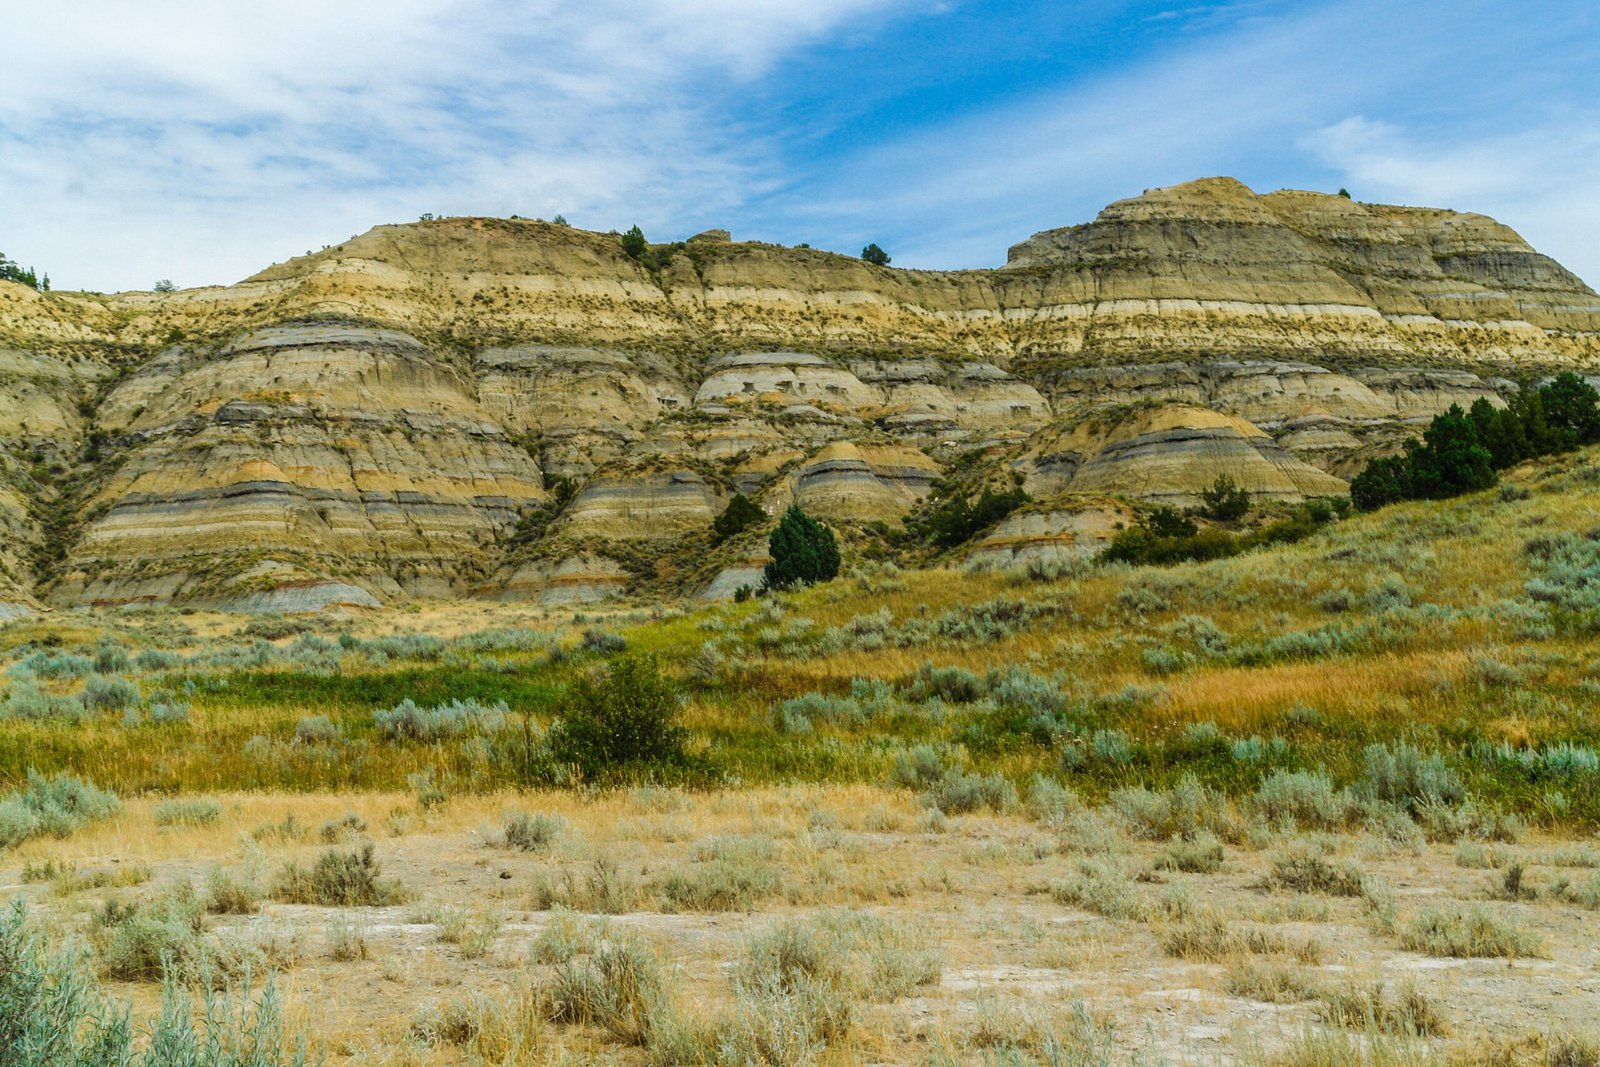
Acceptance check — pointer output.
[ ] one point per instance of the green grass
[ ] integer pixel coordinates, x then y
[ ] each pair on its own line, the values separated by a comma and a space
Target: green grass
1414, 625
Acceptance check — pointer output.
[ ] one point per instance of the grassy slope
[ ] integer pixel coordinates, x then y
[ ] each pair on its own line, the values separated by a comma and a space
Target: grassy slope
1427, 635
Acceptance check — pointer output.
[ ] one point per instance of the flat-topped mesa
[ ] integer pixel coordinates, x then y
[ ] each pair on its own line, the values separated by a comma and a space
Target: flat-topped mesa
517, 409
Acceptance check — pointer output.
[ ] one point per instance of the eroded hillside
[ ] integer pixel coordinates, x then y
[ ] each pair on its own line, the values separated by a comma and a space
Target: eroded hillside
388, 417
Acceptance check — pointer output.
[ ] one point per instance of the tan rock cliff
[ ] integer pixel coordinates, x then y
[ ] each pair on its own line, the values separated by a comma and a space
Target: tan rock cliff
385, 417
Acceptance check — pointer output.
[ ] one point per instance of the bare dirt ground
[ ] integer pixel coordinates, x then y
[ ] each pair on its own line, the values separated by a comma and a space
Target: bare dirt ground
982, 889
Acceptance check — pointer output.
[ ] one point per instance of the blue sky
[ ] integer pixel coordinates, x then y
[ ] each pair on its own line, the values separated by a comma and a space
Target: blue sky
201, 141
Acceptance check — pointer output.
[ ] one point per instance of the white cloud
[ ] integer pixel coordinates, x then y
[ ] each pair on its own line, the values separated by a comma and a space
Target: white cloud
1543, 181
200, 141
1262, 102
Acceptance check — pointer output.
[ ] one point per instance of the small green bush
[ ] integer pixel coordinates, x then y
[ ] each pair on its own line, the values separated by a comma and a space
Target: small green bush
604, 888
862, 955
1305, 800
232, 893
316, 730
1225, 501
1203, 854
109, 693
566, 934
731, 874
346, 827
1405, 777
957, 794
1185, 810
740, 514
26, 700
625, 724
1101, 887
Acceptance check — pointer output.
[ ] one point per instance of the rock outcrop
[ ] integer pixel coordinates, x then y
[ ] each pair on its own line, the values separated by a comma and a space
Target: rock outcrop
387, 417
1050, 536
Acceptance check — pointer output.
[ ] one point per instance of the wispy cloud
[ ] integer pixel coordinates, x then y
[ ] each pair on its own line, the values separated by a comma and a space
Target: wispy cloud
198, 141
1544, 181
1479, 117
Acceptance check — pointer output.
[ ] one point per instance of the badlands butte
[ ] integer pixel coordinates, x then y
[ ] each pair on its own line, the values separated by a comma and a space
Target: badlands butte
399, 415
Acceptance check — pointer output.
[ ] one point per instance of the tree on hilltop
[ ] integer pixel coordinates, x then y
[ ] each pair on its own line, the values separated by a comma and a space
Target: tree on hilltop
634, 245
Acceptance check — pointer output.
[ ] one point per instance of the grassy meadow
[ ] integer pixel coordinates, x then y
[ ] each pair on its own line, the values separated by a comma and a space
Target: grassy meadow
1328, 802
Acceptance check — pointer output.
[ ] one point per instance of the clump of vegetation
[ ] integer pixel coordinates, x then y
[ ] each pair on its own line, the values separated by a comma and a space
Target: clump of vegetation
1165, 536
1272, 982
1101, 887
731, 874
408, 722
346, 827
1304, 800
604, 888
1202, 854
1307, 870
861, 955
1225, 500
623, 725
740, 514
1187, 809
803, 550
11, 271
338, 880
54, 1014
52, 807
192, 811
1460, 452
1407, 778
937, 775
527, 832
149, 941
797, 985
316, 730
634, 245
566, 934
474, 931
1406, 1010
232, 893
951, 517
603, 642
1468, 933
1203, 935
619, 988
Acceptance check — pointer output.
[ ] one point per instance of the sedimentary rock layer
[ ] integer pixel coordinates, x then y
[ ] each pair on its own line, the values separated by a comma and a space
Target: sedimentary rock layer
387, 417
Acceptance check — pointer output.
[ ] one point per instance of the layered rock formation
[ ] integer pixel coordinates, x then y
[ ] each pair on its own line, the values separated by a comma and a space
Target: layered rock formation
386, 418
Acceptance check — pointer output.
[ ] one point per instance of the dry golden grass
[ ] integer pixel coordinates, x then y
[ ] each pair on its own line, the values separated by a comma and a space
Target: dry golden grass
973, 891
